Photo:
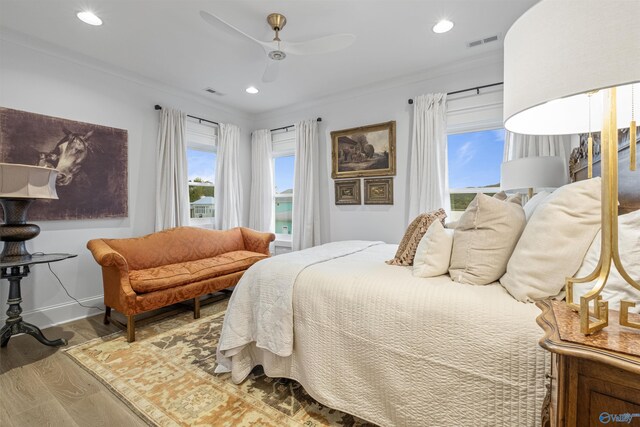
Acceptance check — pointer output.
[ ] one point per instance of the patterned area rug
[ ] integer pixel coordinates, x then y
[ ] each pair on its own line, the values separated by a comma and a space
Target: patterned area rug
167, 378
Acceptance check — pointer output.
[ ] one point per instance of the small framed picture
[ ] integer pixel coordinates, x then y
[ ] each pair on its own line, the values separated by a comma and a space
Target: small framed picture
378, 191
348, 192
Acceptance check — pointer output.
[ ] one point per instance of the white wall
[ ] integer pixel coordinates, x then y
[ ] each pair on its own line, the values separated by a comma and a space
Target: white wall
42, 80
384, 103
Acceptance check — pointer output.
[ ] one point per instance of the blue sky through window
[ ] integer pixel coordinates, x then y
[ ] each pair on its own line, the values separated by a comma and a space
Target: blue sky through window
283, 173
475, 158
201, 164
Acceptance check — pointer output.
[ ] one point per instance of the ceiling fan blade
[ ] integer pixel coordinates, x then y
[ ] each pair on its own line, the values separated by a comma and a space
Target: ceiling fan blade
320, 45
217, 22
271, 71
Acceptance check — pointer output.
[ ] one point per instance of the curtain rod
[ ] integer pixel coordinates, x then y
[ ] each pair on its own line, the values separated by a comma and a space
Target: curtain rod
319, 119
477, 89
158, 107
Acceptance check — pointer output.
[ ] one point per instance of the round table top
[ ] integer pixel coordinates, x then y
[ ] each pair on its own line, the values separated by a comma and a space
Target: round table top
38, 258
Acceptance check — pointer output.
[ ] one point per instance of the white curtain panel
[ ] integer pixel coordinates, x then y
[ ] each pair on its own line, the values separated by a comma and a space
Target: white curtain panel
172, 188
306, 192
228, 194
517, 146
261, 211
428, 173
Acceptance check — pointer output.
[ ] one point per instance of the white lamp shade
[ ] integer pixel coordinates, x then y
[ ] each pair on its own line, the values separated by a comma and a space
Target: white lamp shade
27, 182
533, 172
560, 50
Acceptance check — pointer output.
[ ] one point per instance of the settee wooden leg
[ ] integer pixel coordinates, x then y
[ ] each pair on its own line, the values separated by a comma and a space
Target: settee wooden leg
107, 315
131, 328
196, 308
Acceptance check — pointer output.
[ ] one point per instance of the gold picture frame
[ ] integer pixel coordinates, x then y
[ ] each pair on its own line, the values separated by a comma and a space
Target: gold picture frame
348, 192
364, 151
378, 191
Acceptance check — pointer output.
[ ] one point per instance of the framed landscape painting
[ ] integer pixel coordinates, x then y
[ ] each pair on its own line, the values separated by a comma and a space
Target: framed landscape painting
364, 151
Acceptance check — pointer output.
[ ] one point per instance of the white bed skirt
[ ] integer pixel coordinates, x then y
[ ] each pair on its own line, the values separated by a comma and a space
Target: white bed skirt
374, 341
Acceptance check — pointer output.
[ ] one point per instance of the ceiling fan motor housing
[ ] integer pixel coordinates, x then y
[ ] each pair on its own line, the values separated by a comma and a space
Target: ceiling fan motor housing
276, 21
277, 55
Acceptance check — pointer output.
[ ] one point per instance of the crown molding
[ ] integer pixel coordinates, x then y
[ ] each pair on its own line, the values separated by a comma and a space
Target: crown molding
493, 58
56, 51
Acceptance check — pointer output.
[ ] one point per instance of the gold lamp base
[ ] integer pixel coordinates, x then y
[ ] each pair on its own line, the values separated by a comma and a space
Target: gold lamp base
594, 312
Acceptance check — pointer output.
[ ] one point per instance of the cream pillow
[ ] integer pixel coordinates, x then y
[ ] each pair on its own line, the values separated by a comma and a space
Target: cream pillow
412, 236
484, 239
514, 198
531, 206
434, 252
501, 196
554, 242
617, 288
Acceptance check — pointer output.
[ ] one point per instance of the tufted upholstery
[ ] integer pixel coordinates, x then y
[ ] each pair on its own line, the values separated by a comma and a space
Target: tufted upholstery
159, 269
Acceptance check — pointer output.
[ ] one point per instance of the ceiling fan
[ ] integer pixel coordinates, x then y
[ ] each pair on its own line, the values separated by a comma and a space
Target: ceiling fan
277, 49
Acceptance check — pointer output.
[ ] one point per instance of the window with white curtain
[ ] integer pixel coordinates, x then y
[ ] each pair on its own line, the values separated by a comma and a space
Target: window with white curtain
284, 147
474, 166
201, 164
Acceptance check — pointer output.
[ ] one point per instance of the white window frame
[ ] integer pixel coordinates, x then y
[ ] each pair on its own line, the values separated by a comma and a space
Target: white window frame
202, 136
472, 190
283, 144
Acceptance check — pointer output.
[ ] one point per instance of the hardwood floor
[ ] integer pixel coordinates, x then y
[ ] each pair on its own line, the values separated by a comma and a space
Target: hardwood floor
41, 386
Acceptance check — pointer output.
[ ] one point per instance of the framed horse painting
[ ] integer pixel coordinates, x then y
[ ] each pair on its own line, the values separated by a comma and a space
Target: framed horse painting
91, 161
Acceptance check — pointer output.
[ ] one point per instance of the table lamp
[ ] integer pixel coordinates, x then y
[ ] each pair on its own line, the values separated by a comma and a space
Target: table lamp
20, 185
571, 67
531, 173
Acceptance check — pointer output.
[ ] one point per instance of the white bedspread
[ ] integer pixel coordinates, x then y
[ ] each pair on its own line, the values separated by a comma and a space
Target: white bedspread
261, 306
374, 341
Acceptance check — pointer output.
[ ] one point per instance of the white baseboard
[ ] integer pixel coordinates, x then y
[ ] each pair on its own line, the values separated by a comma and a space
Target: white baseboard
61, 313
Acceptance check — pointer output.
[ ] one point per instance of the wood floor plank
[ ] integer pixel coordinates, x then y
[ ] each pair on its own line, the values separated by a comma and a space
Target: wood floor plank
22, 390
48, 413
62, 378
23, 350
41, 386
90, 328
5, 419
103, 409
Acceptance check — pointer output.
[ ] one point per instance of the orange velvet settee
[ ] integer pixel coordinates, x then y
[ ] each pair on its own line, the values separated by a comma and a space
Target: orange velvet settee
163, 268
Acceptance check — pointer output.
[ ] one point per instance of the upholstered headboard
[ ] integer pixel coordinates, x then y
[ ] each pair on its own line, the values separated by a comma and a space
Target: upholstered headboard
628, 182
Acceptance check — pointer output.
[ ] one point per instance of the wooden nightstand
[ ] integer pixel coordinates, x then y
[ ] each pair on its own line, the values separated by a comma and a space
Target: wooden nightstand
593, 378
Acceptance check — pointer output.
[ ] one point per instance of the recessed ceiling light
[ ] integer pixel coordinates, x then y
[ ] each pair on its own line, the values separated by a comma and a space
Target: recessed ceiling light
443, 26
252, 90
89, 18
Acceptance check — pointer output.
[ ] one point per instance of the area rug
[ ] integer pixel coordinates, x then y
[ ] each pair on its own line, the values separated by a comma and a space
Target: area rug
167, 377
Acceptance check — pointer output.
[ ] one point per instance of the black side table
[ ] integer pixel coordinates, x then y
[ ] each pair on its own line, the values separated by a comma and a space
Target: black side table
14, 271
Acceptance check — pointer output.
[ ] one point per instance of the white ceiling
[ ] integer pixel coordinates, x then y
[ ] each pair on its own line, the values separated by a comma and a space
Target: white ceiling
167, 41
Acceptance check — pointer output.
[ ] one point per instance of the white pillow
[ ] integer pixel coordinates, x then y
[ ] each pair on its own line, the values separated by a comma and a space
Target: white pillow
554, 242
531, 206
617, 288
434, 251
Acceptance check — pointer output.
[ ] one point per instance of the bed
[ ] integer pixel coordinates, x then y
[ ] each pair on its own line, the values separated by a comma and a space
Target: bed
374, 341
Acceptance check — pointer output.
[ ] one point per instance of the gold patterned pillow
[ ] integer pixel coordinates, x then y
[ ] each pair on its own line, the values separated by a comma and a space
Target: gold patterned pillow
409, 243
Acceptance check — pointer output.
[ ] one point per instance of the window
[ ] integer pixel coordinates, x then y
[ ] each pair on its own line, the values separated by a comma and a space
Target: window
283, 180
283, 164
201, 165
474, 166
